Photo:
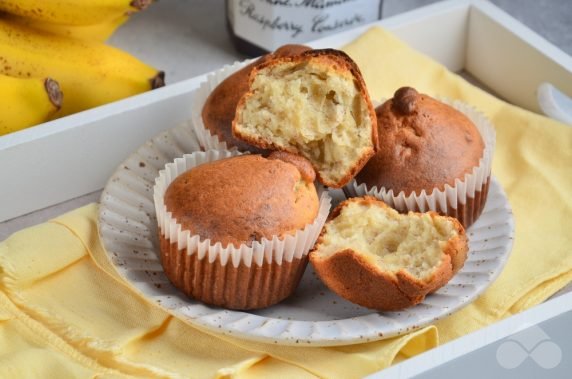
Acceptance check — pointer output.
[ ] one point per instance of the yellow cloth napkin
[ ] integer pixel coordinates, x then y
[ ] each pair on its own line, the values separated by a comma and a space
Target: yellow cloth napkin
64, 312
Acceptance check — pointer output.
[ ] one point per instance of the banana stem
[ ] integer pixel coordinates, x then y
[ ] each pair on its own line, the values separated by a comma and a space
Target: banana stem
140, 4
158, 80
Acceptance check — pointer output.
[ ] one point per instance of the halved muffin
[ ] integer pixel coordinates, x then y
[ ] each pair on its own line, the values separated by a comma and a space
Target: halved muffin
219, 108
314, 104
373, 256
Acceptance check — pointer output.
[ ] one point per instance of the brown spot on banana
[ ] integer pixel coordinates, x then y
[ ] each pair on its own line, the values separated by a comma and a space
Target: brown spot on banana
54, 92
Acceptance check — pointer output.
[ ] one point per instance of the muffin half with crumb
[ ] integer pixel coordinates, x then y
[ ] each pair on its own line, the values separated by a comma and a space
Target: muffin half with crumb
373, 256
314, 104
220, 105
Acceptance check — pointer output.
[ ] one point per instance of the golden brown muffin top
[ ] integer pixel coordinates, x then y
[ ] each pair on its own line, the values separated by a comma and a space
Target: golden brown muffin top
242, 199
218, 111
423, 144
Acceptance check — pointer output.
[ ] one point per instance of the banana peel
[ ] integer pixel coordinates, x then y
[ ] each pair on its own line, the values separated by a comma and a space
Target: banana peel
27, 102
89, 73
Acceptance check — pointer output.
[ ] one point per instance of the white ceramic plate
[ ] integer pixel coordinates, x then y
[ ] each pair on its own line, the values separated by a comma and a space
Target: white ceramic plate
313, 315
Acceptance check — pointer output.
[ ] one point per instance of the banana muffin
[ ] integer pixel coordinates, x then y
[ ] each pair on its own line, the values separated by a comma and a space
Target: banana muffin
427, 146
220, 106
235, 232
314, 104
371, 255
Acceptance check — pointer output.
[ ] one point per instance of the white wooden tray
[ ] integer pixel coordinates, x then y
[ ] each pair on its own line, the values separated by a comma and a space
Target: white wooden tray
466, 35
463, 35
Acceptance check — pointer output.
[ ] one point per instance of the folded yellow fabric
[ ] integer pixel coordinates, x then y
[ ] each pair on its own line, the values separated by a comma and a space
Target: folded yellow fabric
64, 311
532, 161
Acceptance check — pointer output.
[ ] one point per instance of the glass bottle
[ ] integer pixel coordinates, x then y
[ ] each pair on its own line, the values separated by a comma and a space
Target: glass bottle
259, 26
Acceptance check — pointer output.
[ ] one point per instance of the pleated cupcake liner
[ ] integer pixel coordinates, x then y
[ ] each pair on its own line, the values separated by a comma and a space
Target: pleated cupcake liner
206, 139
228, 286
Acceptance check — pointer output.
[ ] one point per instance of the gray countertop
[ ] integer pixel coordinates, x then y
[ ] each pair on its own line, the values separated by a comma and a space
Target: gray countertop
196, 31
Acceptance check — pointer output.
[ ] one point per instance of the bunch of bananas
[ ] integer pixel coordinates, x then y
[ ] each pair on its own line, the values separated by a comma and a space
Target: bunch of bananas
53, 60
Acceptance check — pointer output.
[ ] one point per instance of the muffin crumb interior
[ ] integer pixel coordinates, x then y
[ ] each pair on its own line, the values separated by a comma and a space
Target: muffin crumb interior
302, 106
393, 242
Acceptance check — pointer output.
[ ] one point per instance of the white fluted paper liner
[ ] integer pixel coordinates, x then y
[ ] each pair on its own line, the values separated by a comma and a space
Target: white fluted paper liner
278, 250
452, 196
199, 98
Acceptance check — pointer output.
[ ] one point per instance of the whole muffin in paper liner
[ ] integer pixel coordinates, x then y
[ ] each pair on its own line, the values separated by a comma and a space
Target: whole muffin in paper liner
434, 155
235, 230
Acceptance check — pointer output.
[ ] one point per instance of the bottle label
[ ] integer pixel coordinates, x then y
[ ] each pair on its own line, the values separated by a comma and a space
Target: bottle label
272, 23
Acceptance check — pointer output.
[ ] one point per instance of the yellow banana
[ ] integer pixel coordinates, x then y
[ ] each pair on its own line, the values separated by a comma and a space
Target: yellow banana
89, 73
27, 102
73, 12
97, 32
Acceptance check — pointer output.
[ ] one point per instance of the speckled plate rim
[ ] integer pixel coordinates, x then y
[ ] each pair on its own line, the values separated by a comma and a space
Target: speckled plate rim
126, 215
